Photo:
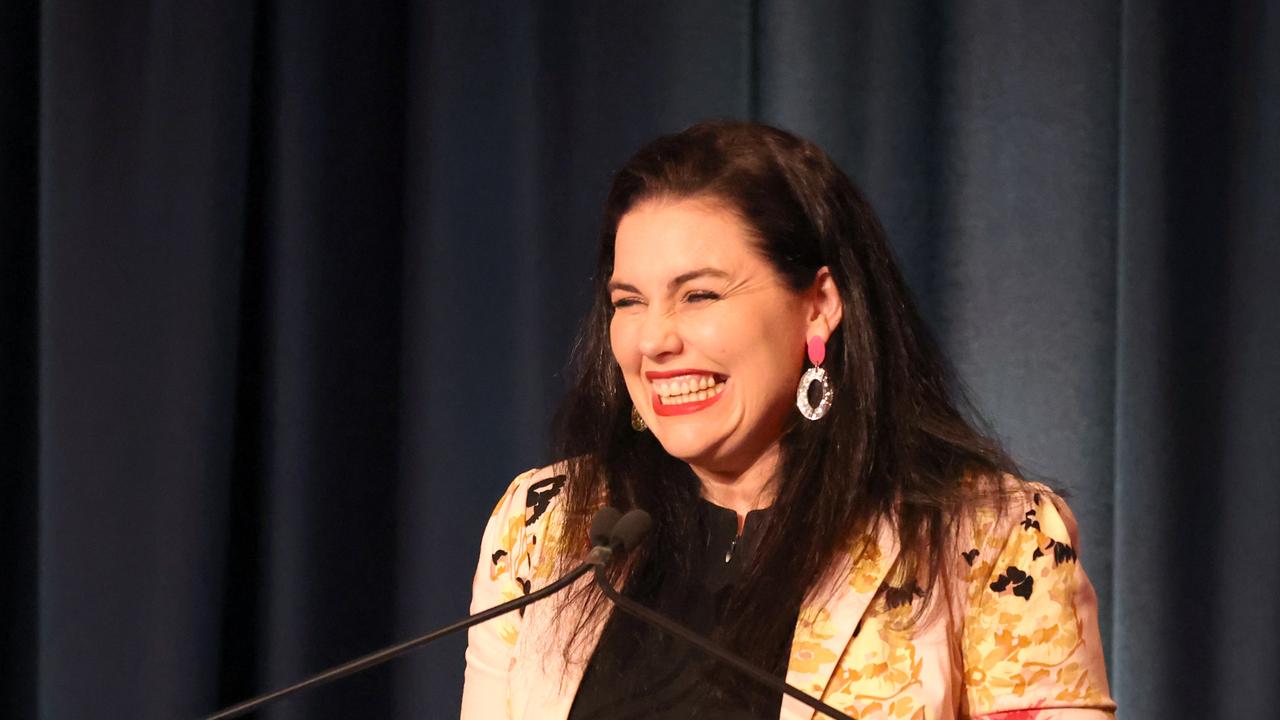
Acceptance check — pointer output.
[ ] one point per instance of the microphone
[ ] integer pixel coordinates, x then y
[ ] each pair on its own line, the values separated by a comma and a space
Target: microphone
605, 540
629, 532
602, 526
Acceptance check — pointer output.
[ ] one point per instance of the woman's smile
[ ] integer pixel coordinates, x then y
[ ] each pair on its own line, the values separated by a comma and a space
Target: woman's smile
680, 392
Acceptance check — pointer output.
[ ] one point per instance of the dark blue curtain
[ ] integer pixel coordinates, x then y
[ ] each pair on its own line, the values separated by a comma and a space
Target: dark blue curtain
286, 289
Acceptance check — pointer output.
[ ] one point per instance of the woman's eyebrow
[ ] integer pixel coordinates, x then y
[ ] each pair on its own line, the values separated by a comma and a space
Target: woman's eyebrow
683, 278
623, 287
676, 282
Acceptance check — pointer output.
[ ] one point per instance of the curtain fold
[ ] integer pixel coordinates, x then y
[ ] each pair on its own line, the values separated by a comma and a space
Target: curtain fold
19, 180
1198, 400
287, 288
142, 137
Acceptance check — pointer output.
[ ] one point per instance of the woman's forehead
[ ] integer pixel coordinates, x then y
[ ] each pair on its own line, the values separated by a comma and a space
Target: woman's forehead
660, 241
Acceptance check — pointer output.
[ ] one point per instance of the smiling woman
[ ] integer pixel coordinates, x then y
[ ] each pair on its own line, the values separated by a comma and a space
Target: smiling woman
753, 374
709, 339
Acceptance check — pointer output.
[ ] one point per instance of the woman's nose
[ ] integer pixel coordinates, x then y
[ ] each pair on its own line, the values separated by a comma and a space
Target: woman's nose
659, 335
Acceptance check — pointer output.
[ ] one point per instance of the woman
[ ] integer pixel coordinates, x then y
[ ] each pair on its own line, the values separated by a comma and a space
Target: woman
753, 373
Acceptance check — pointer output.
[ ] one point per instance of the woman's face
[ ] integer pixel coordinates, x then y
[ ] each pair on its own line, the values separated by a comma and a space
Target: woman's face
710, 339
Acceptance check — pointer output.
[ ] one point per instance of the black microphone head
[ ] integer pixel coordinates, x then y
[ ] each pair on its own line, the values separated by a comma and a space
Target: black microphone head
630, 530
602, 525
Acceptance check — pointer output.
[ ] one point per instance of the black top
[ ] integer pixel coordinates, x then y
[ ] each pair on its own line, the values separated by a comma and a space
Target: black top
638, 671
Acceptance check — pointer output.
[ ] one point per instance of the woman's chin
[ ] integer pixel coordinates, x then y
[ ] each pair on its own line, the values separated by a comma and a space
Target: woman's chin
695, 448
682, 445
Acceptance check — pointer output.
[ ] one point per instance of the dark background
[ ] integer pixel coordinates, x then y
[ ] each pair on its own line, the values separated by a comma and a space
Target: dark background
286, 288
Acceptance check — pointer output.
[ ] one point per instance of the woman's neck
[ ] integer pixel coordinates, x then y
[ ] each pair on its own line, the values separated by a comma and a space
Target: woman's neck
741, 491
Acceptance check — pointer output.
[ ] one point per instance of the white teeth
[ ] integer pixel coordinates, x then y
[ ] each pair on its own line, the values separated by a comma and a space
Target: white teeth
691, 394
687, 388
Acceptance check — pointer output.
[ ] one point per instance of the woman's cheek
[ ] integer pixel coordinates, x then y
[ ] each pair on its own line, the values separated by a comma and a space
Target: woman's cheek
709, 331
617, 343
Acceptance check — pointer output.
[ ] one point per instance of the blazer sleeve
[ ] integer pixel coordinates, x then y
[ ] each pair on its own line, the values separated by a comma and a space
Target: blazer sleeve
491, 645
1030, 642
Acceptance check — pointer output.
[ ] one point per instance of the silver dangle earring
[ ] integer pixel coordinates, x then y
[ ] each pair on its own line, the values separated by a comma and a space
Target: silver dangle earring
817, 349
637, 422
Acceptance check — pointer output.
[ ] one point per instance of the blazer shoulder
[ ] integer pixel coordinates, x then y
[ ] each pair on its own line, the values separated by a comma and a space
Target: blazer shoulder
1009, 515
543, 491
1031, 617
532, 489
1004, 505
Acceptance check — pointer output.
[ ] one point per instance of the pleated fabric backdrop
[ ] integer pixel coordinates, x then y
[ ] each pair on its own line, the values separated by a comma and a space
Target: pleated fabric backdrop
286, 289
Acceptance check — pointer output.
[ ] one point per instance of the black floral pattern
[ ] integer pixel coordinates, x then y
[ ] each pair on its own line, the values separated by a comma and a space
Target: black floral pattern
898, 596
1062, 552
1029, 520
970, 556
1021, 582
540, 496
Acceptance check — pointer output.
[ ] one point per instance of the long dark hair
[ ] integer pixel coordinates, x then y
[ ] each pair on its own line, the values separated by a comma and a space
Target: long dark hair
898, 445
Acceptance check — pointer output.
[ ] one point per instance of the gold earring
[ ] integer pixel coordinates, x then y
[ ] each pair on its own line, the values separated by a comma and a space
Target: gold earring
637, 422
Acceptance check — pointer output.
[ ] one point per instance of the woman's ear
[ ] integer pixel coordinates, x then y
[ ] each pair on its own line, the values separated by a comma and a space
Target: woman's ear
826, 307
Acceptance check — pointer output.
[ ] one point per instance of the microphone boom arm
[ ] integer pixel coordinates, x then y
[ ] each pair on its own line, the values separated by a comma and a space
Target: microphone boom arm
381, 656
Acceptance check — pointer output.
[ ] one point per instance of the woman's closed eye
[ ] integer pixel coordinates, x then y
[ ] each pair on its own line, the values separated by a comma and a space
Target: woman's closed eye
697, 296
626, 302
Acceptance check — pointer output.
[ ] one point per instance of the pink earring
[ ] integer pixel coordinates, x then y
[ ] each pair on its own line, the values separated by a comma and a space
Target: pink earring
817, 349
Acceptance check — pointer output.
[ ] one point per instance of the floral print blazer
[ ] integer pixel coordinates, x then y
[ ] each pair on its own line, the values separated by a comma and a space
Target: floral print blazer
1018, 639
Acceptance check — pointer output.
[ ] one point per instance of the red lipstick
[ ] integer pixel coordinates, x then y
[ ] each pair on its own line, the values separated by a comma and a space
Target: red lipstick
683, 408
664, 374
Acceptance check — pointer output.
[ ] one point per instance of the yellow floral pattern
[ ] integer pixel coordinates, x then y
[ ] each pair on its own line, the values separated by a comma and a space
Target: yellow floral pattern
1018, 638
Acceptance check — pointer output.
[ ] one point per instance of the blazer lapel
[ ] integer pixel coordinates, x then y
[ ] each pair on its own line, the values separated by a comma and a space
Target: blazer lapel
824, 630
543, 683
